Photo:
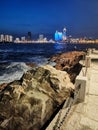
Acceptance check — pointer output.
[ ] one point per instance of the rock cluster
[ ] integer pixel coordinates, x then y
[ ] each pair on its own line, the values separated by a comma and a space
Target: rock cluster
26, 104
69, 62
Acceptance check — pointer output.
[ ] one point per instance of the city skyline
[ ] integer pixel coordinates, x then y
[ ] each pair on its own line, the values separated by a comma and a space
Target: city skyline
40, 16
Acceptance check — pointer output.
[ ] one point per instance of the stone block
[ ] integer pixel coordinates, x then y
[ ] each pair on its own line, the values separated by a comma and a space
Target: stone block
81, 81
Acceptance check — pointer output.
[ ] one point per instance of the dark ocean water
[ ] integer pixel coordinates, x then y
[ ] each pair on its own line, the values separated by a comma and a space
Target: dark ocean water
37, 53
13, 56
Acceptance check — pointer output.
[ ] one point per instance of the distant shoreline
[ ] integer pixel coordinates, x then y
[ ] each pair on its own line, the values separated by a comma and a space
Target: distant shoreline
46, 42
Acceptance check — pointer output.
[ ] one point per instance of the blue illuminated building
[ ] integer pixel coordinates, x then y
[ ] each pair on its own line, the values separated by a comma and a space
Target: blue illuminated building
58, 36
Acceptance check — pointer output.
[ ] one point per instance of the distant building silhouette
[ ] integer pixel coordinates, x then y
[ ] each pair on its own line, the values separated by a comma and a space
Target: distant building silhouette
29, 36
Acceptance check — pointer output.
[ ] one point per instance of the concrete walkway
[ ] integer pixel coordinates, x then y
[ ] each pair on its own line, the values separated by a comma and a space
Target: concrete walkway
83, 116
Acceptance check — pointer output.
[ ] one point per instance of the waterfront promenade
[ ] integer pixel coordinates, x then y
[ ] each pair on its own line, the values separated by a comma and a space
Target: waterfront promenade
83, 115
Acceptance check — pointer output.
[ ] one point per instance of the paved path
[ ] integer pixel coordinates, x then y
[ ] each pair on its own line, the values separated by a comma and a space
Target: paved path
83, 116
93, 56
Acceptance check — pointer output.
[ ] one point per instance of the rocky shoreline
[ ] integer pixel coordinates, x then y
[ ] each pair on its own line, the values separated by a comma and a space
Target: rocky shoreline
28, 103
69, 62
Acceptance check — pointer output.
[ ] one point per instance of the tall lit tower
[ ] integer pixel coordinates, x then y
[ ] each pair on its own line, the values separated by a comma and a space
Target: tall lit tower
64, 34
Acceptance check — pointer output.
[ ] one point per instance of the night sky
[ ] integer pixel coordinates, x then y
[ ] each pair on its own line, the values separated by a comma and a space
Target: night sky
80, 17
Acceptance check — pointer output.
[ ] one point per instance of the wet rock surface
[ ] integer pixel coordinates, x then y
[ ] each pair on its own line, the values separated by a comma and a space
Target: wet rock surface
69, 62
26, 104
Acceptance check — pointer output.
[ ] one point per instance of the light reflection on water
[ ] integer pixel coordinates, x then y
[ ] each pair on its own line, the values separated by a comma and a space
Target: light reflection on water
37, 52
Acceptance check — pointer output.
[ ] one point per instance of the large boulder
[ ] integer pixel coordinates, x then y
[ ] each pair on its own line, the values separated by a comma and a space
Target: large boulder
28, 103
69, 62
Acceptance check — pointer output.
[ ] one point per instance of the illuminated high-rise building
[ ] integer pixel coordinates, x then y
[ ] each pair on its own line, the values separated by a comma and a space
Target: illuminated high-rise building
10, 38
64, 34
41, 37
2, 38
58, 36
23, 38
6, 38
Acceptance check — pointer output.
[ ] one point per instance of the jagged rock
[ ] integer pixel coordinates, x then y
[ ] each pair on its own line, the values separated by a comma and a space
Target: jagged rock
2, 86
69, 62
28, 103
31, 65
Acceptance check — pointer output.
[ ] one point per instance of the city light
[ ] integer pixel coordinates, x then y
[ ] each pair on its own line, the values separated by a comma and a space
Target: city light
59, 37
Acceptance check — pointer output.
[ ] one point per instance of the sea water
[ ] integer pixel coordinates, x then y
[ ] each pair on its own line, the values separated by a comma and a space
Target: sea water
37, 53
14, 56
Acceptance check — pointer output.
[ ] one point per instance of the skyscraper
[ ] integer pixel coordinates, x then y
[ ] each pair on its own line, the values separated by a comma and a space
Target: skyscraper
2, 38
23, 38
7, 38
64, 34
29, 36
58, 36
41, 37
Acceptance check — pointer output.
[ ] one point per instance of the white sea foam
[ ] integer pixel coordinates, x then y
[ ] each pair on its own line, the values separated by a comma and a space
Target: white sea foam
13, 71
39, 60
